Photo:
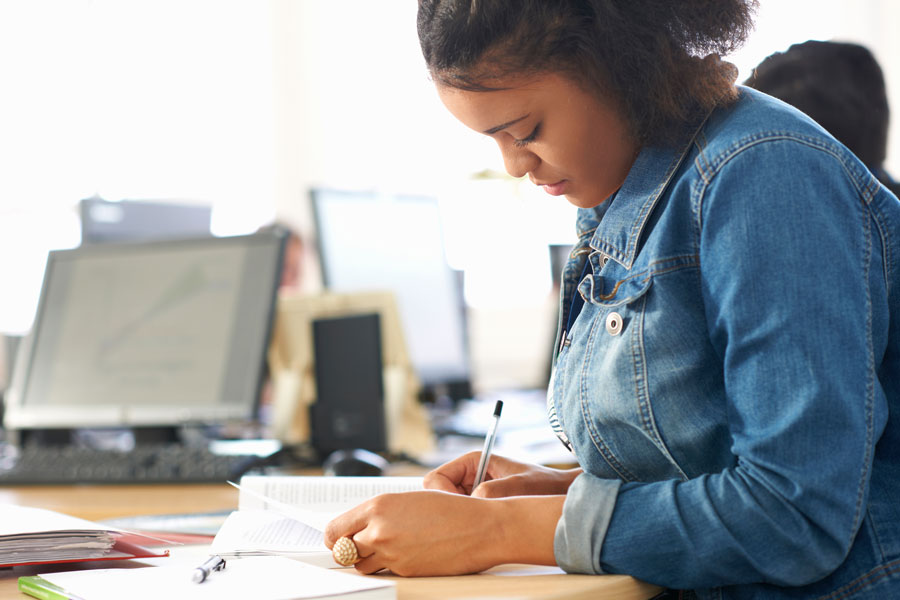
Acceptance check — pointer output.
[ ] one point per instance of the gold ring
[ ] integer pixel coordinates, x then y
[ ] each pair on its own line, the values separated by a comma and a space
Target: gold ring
345, 552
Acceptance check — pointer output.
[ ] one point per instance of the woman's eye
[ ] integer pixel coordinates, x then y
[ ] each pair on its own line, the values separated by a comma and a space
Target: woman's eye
526, 140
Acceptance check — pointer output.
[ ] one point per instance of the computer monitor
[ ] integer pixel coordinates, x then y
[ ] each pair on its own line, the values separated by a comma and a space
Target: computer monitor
559, 255
158, 334
371, 241
103, 221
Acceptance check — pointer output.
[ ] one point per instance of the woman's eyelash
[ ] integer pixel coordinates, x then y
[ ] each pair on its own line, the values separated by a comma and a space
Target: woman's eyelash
531, 137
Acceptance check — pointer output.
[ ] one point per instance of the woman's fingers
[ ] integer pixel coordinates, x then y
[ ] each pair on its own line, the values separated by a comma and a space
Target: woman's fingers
455, 476
369, 565
346, 525
423, 532
369, 562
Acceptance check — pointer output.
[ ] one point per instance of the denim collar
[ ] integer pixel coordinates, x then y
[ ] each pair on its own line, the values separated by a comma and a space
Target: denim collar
617, 223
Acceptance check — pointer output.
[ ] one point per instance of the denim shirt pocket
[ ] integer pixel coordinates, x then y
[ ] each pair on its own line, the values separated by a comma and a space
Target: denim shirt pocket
604, 387
610, 291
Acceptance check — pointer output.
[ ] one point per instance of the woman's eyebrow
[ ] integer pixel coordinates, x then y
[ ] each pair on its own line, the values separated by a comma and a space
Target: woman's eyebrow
494, 130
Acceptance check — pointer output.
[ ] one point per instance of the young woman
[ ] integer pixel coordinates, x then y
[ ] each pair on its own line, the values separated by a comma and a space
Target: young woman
727, 371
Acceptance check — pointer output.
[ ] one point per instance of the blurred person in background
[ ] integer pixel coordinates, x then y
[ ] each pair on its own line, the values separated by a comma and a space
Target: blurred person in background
841, 86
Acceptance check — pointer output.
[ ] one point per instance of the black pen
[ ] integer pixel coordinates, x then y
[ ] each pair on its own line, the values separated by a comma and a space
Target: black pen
213, 563
488, 446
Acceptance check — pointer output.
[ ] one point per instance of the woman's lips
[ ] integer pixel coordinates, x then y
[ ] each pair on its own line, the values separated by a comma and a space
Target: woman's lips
555, 189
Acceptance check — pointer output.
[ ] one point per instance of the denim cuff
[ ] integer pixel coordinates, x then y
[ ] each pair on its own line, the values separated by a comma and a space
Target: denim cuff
580, 531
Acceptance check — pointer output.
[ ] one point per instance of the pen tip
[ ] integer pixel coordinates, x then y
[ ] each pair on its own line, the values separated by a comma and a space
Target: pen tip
498, 407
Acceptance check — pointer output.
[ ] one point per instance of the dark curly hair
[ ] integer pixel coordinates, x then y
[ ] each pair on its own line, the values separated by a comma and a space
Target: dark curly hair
659, 60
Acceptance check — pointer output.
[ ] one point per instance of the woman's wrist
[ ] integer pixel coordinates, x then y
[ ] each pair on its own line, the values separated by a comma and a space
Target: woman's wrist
569, 475
561, 480
523, 528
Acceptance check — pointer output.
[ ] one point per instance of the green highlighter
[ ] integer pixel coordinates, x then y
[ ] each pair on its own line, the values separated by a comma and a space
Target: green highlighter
37, 586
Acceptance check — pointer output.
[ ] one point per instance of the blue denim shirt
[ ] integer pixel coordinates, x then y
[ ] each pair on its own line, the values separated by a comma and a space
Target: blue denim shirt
731, 386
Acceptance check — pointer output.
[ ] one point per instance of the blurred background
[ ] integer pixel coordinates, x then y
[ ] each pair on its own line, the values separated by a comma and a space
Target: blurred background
245, 106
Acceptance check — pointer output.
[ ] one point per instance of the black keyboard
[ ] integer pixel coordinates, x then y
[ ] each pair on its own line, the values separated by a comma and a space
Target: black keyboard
170, 463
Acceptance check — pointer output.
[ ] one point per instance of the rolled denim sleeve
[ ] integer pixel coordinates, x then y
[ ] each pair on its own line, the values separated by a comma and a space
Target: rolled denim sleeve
580, 531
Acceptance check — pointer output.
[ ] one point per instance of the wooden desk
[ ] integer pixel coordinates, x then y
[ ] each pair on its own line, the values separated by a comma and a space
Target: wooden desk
107, 502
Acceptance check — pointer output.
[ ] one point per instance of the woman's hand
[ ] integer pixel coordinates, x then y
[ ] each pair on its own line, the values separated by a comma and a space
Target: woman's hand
503, 477
436, 533
420, 533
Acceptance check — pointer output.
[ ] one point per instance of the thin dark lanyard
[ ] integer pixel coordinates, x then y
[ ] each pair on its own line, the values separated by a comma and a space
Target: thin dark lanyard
577, 301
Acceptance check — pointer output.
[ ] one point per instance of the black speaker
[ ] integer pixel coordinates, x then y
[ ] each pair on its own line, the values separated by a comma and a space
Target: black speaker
349, 407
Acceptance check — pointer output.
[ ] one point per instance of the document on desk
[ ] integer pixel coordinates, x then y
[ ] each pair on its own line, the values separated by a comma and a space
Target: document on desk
37, 536
260, 578
286, 515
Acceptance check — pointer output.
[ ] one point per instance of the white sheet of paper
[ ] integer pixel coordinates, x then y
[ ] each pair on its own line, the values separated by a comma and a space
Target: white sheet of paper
260, 578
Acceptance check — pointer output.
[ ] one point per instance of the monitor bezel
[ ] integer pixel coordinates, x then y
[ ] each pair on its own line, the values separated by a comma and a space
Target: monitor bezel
19, 415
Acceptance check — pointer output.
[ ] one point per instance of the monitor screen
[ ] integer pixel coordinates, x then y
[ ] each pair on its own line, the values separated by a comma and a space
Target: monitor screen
156, 334
141, 220
369, 242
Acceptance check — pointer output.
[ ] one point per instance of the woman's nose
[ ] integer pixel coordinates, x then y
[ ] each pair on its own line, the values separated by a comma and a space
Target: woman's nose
518, 161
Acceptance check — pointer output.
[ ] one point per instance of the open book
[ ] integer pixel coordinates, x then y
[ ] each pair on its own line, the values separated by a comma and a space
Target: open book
31, 536
286, 515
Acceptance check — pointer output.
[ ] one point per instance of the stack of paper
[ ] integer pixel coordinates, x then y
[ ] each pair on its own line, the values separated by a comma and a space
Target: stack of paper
34, 536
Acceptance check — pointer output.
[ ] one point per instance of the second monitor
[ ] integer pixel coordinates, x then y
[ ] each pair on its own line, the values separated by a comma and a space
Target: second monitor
370, 241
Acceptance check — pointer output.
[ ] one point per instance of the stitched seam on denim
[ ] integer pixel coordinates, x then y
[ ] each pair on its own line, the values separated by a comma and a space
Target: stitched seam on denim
870, 383
642, 393
863, 581
587, 233
698, 195
638, 225
871, 189
696, 192
638, 361
873, 531
655, 268
596, 440
735, 149
701, 163
885, 235
647, 208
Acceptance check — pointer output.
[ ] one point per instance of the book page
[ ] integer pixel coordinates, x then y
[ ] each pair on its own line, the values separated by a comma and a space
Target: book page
251, 530
317, 500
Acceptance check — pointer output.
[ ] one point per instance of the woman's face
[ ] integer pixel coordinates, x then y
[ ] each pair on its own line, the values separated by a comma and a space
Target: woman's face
565, 139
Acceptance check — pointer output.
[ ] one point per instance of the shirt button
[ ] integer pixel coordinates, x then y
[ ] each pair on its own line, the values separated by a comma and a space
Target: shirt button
603, 260
613, 323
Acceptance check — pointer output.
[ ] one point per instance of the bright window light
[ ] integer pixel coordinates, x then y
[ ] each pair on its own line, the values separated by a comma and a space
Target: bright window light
165, 100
